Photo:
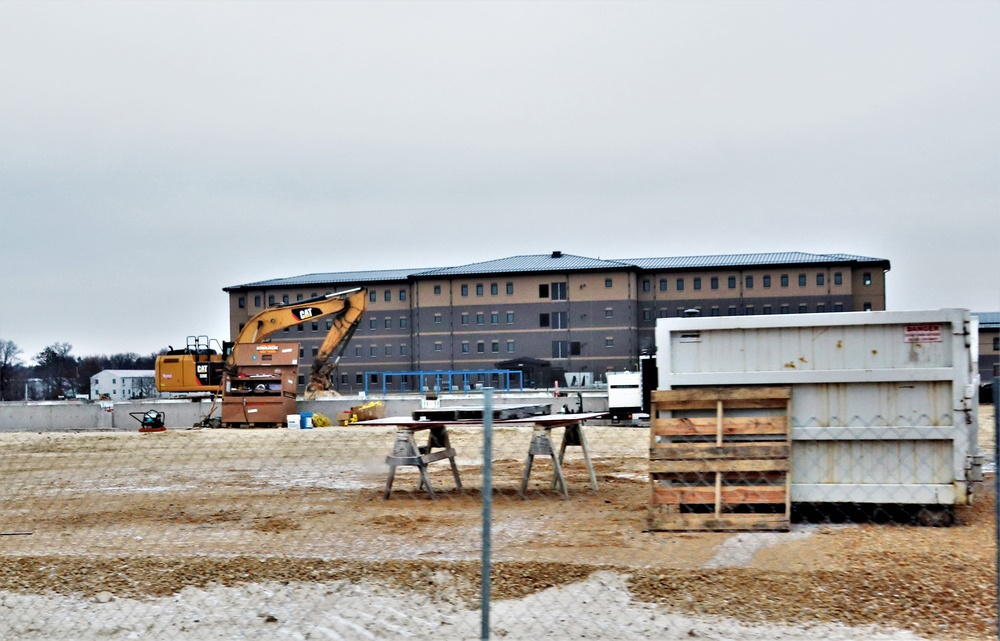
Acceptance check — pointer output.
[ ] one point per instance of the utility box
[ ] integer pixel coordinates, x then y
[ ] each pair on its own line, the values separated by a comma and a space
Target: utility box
624, 395
261, 391
883, 407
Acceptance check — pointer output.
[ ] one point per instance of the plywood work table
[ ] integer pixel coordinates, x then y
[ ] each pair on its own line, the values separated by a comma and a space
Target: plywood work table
406, 451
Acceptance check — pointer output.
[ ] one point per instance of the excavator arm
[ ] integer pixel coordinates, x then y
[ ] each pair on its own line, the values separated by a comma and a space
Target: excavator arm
347, 308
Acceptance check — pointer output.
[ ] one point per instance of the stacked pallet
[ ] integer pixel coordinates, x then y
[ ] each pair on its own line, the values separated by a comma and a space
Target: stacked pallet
719, 459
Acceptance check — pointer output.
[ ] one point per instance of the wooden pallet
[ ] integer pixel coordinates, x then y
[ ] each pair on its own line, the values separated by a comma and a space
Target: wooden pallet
719, 459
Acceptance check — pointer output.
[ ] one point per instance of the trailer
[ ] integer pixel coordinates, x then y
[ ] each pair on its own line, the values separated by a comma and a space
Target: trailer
624, 395
883, 406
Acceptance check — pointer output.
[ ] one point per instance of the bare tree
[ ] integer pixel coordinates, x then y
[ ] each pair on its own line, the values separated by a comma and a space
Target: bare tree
56, 368
9, 361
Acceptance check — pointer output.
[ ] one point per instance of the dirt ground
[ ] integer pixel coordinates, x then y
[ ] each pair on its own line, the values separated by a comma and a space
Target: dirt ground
147, 515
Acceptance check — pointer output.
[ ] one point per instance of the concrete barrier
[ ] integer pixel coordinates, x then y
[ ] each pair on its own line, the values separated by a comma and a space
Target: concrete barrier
81, 416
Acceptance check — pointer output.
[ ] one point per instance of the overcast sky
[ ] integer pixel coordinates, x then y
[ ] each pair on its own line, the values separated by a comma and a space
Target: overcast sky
153, 153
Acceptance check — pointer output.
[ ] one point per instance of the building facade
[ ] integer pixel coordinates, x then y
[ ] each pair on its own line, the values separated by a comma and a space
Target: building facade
584, 315
123, 384
989, 346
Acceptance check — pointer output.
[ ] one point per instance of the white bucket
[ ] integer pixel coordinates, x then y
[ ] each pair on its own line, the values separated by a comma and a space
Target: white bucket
293, 421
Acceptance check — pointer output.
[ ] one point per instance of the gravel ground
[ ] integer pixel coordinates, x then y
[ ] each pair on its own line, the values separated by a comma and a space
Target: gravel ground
278, 534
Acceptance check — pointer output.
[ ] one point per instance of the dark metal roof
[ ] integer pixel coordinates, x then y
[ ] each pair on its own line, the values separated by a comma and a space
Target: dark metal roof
988, 320
554, 262
743, 260
557, 262
330, 278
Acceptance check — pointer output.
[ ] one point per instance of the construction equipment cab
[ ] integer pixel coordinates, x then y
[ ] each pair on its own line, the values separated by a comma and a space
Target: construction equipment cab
200, 365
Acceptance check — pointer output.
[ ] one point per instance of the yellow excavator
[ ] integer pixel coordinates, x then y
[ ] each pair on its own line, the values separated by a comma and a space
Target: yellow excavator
199, 366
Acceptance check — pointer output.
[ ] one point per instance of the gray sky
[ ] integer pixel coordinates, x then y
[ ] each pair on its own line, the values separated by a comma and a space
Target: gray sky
153, 153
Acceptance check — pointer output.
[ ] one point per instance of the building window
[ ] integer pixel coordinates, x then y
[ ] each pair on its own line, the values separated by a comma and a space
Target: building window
242, 302
543, 290
996, 343
748, 310
647, 314
838, 278
437, 290
784, 309
609, 342
242, 325
565, 349
465, 290
820, 307
480, 347
802, 280
315, 351
495, 318
388, 322
388, 295
697, 282
838, 307
510, 346
820, 280
868, 307
404, 322
543, 320
767, 281
715, 310
359, 379
803, 308
315, 327
558, 291
663, 284
609, 312
479, 318
494, 289
465, 347
372, 296
479, 289
680, 312
329, 324
680, 284
510, 288
402, 294
343, 379
256, 301
560, 320
732, 282
749, 282
372, 323
302, 352
437, 319
284, 299
465, 319
608, 282
510, 318
868, 278
715, 282
767, 310
732, 310
372, 350
438, 346
300, 327
495, 347
298, 297
357, 350
784, 280
645, 285
402, 349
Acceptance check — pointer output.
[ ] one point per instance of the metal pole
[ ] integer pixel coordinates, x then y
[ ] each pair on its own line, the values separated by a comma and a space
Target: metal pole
996, 478
484, 605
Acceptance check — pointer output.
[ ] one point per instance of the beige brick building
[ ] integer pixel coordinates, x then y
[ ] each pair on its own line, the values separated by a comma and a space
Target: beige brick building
573, 313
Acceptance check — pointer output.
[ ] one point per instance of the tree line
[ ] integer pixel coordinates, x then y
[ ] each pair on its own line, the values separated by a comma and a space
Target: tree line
56, 372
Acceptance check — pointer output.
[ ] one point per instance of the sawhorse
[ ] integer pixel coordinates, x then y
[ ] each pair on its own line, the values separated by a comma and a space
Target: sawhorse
541, 444
406, 452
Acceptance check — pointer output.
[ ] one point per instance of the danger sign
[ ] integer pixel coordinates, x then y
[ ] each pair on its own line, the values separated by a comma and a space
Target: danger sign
922, 334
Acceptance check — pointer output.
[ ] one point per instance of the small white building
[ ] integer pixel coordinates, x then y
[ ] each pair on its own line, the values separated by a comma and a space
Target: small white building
123, 384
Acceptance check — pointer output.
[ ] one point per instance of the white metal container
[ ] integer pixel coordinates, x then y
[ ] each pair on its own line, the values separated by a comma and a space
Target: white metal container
884, 405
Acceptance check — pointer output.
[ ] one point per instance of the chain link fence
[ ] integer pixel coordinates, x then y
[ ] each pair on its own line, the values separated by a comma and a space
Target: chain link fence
297, 534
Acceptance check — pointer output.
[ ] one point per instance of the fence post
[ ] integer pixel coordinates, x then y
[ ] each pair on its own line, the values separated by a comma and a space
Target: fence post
484, 605
996, 481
